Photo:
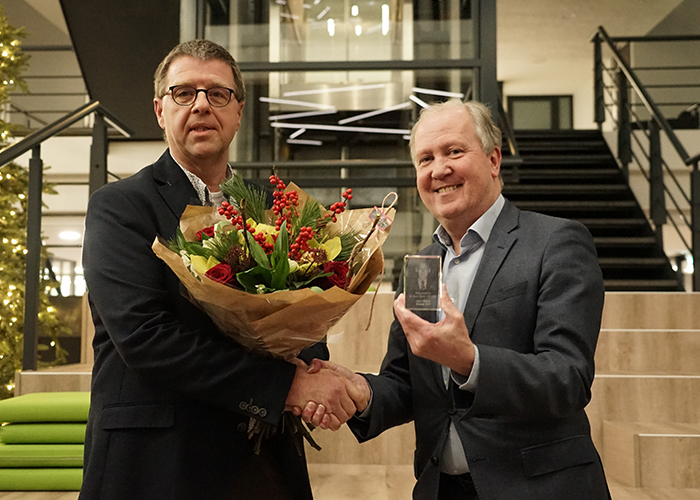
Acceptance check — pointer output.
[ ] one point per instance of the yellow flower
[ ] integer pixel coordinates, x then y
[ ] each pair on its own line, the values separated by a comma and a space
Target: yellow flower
331, 246
202, 265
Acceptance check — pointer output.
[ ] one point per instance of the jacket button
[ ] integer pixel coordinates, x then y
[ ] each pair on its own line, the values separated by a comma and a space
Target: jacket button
242, 427
435, 461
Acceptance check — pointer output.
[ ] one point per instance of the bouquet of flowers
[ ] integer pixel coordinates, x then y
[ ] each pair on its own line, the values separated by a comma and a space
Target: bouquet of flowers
276, 280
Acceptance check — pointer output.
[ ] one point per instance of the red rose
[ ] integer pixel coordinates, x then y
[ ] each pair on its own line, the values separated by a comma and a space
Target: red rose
221, 273
209, 231
340, 273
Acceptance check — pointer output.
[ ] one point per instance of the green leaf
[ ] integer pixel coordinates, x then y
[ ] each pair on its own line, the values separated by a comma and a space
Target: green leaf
257, 252
280, 260
304, 284
253, 277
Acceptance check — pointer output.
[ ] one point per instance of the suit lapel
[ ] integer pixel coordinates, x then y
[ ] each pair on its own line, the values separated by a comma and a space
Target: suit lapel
502, 237
173, 185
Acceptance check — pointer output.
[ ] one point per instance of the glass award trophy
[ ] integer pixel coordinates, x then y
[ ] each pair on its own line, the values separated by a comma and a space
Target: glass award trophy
422, 280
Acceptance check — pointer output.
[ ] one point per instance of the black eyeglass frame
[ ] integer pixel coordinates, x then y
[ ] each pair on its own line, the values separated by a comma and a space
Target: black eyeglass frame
231, 95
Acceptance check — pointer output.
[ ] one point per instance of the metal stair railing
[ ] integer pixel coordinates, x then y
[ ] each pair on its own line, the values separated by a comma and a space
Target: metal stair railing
98, 177
612, 98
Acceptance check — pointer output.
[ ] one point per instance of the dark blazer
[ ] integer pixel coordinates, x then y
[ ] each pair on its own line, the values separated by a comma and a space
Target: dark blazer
171, 395
534, 313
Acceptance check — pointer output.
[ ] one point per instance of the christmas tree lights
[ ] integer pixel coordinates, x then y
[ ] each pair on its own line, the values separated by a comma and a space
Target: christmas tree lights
13, 231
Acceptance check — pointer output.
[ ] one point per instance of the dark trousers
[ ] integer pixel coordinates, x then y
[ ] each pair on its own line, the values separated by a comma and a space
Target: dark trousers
457, 488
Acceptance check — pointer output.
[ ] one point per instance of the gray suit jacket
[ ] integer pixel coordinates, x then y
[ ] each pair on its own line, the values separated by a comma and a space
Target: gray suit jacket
534, 312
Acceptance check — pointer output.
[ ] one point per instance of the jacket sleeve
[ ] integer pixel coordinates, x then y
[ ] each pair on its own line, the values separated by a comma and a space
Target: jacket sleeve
141, 316
392, 399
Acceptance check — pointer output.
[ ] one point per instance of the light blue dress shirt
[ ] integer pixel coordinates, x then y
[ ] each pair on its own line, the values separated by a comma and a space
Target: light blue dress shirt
458, 272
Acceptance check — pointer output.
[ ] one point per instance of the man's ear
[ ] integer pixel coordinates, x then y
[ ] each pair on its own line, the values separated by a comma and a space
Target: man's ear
495, 159
158, 109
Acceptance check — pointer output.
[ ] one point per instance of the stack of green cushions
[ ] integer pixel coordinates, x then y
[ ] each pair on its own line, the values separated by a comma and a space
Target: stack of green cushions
41, 441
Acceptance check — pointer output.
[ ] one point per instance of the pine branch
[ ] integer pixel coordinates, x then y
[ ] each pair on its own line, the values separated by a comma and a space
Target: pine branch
256, 198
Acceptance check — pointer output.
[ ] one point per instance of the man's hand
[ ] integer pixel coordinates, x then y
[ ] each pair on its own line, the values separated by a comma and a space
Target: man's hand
446, 342
359, 390
331, 393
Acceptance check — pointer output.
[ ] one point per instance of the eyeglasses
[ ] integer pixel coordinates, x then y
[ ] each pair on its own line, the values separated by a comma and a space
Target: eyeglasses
184, 95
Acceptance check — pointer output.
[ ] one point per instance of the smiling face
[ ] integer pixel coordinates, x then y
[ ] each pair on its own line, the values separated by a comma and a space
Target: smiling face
456, 180
199, 135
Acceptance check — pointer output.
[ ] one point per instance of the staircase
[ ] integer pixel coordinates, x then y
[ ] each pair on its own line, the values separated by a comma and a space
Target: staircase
573, 174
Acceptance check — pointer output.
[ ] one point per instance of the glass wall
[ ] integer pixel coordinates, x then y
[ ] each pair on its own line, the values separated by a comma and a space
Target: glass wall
334, 87
342, 30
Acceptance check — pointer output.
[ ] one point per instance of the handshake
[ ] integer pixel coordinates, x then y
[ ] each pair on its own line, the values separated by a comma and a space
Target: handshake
326, 394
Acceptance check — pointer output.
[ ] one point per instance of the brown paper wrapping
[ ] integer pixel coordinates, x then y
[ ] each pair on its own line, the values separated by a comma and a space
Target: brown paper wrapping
280, 323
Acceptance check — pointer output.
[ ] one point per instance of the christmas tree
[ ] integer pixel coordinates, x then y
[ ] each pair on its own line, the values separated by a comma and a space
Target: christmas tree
13, 231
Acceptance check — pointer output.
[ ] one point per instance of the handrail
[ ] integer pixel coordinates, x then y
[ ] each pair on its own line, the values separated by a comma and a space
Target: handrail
694, 160
98, 162
35, 138
664, 38
508, 132
658, 168
644, 96
27, 113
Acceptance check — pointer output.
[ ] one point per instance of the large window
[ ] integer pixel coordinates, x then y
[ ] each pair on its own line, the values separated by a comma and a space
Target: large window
547, 112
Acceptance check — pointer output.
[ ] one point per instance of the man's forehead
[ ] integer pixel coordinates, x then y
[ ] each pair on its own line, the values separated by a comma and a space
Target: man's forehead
217, 68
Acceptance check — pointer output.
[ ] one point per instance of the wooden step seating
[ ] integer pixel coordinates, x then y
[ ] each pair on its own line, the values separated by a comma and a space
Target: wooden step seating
645, 411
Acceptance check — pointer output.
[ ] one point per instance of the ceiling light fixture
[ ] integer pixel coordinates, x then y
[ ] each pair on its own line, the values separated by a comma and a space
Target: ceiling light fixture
305, 142
331, 26
437, 92
296, 103
322, 13
296, 134
374, 113
419, 101
303, 114
336, 89
338, 128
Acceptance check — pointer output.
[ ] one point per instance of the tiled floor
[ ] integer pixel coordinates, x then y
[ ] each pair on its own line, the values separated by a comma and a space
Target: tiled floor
379, 482
329, 482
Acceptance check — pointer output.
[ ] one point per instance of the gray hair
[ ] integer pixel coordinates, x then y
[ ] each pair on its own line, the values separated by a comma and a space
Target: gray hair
486, 130
200, 49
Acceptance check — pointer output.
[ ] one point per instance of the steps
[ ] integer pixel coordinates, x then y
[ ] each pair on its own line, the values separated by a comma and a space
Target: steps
572, 174
644, 415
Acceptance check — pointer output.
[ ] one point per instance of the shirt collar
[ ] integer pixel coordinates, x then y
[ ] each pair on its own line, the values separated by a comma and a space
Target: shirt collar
483, 225
203, 193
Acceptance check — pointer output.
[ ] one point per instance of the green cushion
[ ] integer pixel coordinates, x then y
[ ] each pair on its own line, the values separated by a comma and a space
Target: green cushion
29, 433
41, 479
46, 407
41, 455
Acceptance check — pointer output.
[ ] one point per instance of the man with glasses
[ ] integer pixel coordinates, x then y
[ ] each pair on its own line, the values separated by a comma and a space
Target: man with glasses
172, 398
